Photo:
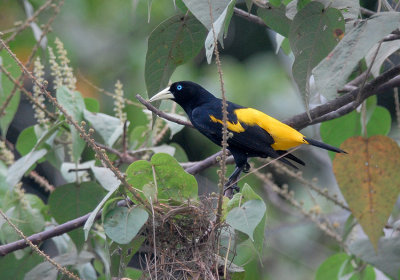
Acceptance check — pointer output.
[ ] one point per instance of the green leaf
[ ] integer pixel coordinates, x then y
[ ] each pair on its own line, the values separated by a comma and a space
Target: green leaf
368, 273
89, 222
105, 177
133, 273
108, 127
173, 43
70, 175
220, 22
18, 168
6, 87
332, 267
312, 36
26, 215
369, 179
172, 182
246, 217
122, 224
380, 122
71, 201
386, 260
91, 104
386, 49
138, 136
332, 73
275, 18
12, 268
74, 104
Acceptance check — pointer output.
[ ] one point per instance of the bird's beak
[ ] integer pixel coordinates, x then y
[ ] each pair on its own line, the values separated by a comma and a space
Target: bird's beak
164, 94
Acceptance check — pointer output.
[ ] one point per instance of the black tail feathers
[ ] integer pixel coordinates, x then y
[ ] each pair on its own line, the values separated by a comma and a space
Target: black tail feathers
323, 145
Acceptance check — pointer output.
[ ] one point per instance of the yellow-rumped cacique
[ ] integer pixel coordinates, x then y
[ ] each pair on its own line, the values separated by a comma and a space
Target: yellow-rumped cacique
252, 132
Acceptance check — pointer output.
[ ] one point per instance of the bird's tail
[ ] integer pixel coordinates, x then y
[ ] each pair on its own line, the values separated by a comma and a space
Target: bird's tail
323, 145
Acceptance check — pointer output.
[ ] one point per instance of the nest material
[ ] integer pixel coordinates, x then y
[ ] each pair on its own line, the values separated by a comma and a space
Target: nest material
184, 243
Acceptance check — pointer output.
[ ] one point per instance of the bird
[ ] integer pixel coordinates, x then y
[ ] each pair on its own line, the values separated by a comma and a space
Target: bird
252, 133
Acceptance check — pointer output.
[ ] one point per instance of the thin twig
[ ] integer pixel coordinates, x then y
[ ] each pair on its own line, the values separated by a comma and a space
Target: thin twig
41, 181
37, 250
224, 142
250, 17
397, 104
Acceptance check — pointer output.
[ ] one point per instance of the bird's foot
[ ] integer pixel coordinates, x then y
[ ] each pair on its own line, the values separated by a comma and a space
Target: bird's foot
246, 168
230, 189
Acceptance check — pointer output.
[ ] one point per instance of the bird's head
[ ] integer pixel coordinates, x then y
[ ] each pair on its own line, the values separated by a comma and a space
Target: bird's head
187, 94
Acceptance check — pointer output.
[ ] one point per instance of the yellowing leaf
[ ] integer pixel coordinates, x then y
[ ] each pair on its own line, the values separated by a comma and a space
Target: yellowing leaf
369, 179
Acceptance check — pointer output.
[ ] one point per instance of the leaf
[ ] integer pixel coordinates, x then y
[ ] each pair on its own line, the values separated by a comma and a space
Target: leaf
387, 260
91, 104
73, 103
71, 201
12, 268
122, 224
385, 50
26, 140
173, 43
369, 179
276, 19
331, 74
219, 22
89, 222
18, 168
105, 177
349, 8
336, 131
6, 87
108, 127
172, 181
71, 175
312, 35
332, 267
246, 217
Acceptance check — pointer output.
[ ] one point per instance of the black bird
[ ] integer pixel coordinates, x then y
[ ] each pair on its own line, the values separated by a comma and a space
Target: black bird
252, 133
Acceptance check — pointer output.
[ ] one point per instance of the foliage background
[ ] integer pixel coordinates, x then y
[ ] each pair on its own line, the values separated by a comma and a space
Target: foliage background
107, 41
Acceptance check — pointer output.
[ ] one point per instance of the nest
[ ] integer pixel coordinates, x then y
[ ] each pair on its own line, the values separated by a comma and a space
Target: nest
184, 241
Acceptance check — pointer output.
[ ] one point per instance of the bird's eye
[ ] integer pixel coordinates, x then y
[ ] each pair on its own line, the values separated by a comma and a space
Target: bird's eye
179, 87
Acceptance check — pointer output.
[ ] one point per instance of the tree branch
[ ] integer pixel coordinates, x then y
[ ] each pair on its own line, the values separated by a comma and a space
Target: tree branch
250, 17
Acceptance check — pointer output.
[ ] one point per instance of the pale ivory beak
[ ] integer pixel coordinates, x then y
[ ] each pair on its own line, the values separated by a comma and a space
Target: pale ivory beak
164, 94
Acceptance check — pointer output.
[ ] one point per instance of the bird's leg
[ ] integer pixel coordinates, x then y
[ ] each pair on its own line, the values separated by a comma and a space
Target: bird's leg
232, 181
246, 168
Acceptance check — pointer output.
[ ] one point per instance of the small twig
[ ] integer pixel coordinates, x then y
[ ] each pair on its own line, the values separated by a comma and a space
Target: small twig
154, 230
37, 250
162, 114
366, 11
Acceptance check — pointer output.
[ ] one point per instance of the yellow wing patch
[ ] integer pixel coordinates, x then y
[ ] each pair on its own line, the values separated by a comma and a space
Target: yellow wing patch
285, 137
236, 127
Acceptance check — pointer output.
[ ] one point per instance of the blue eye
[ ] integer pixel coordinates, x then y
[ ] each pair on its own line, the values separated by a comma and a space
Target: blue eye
179, 87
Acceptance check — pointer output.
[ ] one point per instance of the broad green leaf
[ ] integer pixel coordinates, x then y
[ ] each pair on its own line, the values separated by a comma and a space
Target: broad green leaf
108, 127
369, 179
386, 260
349, 8
332, 267
71, 201
91, 104
380, 122
276, 19
386, 49
26, 215
331, 74
173, 43
133, 273
180, 154
18, 169
138, 136
26, 140
6, 87
3, 184
12, 268
312, 35
174, 127
219, 23
105, 177
172, 182
246, 217
122, 224
89, 222
74, 104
